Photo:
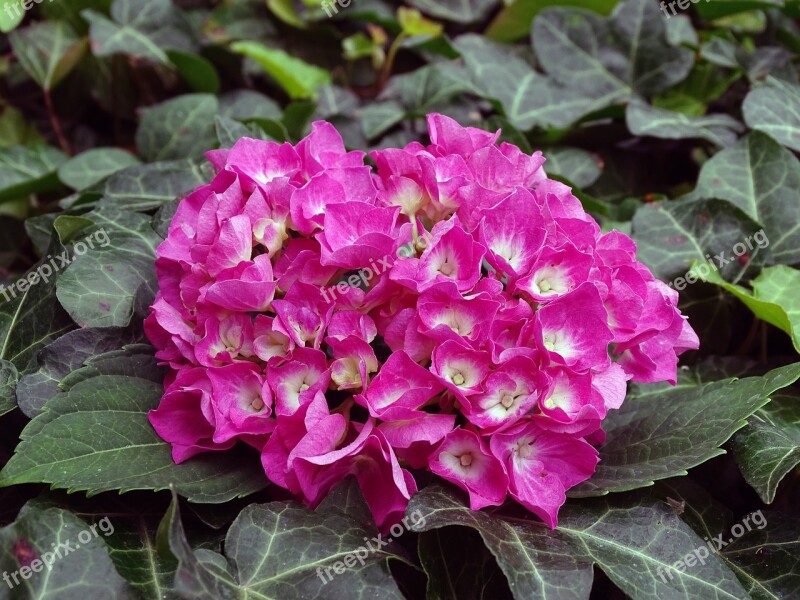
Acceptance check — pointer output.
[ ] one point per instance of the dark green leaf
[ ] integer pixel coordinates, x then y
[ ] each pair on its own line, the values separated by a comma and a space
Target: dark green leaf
179, 128
459, 11
8, 383
662, 435
96, 437
775, 110
93, 166
643, 119
79, 570
48, 51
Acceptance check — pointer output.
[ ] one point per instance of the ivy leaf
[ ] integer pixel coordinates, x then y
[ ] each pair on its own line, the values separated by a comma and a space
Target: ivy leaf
8, 383
92, 166
28, 170
628, 538
762, 178
775, 110
181, 127
48, 51
377, 118
614, 57
282, 550
140, 28
83, 570
60, 358
96, 437
145, 187
773, 299
298, 78
528, 98
98, 287
769, 447
579, 166
645, 120
662, 435
671, 236
514, 19
765, 557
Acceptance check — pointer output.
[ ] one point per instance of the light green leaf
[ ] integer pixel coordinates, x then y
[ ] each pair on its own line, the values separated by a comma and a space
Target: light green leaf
762, 178
774, 298
663, 434
48, 51
775, 110
96, 437
631, 540
79, 570
298, 78
11, 17
182, 127
645, 120
15, 130
92, 166
723, 8
28, 170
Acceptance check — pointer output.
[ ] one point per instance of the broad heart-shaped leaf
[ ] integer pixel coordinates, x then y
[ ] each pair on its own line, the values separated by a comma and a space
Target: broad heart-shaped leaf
614, 57
298, 78
762, 178
282, 550
459, 11
527, 98
181, 127
671, 236
28, 170
628, 538
145, 187
93, 166
8, 382
662, 435
48, 51
65, 355
643, 119
769, 447
96, 437
775, 109
79, 570
459, 566
774, 298
140, 28
98, 288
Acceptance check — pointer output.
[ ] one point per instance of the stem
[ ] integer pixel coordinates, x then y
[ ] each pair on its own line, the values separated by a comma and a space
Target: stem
389, 64
62, 140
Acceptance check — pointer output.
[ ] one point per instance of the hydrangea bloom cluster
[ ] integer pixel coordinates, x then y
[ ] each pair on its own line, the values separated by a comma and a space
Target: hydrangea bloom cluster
451, 309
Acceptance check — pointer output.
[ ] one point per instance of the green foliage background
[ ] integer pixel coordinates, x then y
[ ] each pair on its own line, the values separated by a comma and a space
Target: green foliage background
681, 129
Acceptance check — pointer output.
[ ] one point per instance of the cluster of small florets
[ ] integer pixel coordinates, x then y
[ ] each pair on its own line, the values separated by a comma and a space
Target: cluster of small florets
451, 309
